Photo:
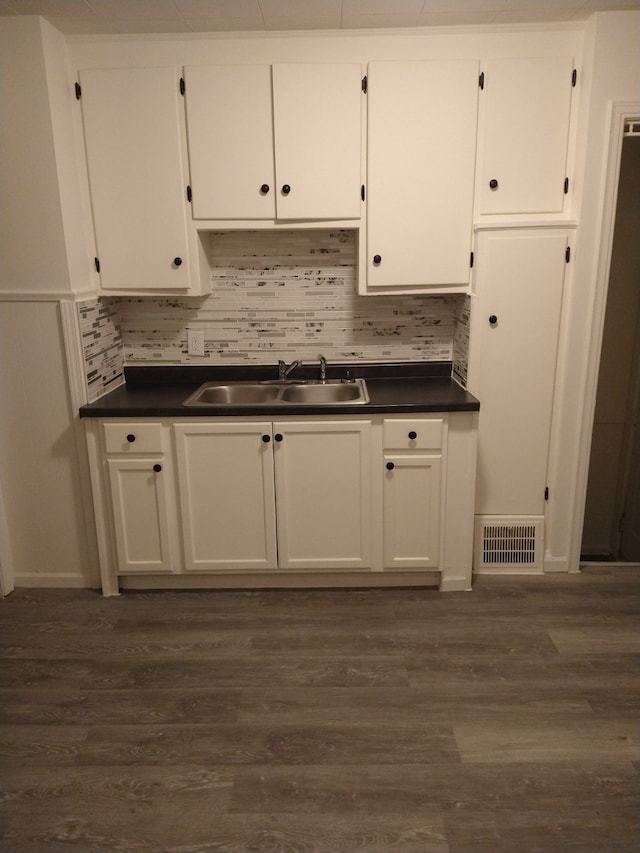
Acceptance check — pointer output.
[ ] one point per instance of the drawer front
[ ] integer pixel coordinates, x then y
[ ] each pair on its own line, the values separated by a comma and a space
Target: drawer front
413, 434
133, 438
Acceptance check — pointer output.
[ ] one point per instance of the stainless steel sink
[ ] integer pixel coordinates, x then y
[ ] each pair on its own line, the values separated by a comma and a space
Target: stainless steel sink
333, 392
329, 393
233, 394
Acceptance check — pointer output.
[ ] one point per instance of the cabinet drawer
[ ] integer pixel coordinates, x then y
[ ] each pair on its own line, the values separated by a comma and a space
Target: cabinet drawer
413, 434
133, 438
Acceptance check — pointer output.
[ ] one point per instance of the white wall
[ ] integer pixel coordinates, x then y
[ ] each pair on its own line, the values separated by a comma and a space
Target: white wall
44, 254
32, 245
44, 239
44, 502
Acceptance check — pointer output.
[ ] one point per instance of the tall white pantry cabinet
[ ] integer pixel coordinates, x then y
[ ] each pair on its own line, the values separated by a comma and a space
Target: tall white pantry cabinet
522, 254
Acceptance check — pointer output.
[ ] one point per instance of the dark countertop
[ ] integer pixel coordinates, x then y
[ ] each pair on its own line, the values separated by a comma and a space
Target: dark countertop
393, 388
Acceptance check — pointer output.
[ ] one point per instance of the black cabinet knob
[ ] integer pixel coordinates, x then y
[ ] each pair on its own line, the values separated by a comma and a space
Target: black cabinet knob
493, 319
266, 438
286, 189
264, 189
413, 434
131, 438
177, 262
493, 184
390, 466
278, 436
377, 259
157, 468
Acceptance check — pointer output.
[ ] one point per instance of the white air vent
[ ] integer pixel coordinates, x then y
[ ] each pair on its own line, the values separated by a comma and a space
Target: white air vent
508, 544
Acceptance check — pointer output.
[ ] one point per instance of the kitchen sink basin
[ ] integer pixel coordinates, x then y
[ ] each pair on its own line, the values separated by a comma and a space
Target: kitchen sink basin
325, 393
333, 392
233, 394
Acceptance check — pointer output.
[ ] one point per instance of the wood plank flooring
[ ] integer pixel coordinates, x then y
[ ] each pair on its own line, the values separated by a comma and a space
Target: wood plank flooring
503, 720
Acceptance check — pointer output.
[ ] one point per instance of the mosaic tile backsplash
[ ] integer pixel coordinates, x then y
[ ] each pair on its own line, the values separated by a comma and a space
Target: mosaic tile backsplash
102, 346
286, 294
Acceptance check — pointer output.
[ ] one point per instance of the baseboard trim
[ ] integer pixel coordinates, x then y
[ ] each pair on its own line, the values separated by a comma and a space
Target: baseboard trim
58, 580
281, 580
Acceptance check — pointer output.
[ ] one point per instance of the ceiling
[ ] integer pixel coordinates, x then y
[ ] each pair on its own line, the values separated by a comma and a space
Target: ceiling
184, 16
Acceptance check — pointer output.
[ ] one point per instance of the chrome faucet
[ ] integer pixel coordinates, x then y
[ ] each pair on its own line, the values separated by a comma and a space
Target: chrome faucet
323, 368
284, 371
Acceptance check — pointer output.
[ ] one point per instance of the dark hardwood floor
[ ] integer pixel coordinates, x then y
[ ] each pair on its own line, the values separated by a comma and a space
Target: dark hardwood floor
504, 720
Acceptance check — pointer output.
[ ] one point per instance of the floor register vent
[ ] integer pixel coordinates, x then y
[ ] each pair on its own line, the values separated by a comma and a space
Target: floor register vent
503, 543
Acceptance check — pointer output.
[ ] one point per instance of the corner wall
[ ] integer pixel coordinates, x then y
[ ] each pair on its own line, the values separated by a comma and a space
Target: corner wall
43, 255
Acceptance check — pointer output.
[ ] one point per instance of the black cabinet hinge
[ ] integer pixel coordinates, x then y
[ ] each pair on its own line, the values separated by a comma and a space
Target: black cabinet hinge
546, 493
574, 77
189, 193
362, 192
567, 254
364, 84
182, 86
566, 185
481, 80
471, 260
78, 89
97, 263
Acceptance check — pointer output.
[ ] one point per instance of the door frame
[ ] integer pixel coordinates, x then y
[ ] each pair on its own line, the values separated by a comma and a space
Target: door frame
619, 113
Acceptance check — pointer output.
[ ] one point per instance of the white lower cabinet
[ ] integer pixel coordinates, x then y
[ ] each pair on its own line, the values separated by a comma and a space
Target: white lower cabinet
140, 519
226, 496
298, 497
140, 486
412, 508
239, 483
323, 489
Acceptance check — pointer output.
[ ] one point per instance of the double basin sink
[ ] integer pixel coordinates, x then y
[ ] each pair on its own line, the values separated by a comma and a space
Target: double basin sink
331, 392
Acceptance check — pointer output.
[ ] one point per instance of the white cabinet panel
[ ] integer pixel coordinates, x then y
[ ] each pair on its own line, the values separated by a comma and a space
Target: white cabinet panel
230, 133
140, 514
412, 511
280, 141
514, 341
323, 494
225, 478
317, 117
132, 130
413, 433
525, 113
421, 167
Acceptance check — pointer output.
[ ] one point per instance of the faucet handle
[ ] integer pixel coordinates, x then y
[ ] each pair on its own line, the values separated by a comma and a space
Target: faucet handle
323, 368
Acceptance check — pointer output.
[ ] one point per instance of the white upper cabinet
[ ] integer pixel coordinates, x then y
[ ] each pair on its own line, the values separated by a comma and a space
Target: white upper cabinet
275, 142
317, 116
421, 163
230, 135
525, 109
133, 136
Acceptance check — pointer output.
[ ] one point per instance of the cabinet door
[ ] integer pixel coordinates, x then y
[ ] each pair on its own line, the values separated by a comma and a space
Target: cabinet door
230, 132
225, 477
140, 514
323, 494
525, 111
133, 143
412, 511
421, 165
514, 342
317, 116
